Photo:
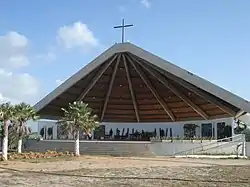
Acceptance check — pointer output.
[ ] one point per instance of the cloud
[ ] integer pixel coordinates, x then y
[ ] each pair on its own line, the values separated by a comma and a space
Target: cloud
18, 87
46, 57
146, 3
59, 81
4, 99
77, 35
13, 50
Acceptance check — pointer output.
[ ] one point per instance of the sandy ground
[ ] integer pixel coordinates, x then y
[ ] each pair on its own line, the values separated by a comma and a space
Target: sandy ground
113, 171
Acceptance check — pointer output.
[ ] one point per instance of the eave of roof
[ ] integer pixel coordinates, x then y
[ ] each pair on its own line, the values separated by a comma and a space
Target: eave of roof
155, 60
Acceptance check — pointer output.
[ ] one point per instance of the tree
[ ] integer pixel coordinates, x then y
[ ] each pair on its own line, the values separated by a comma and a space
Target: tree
6, 114
22, 113
190, 130
78, 116
13, 137
241, 126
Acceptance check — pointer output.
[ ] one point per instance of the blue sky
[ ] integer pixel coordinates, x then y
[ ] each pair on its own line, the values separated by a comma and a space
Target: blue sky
47, 41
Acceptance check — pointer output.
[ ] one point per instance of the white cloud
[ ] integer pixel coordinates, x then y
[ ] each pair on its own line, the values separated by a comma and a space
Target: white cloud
59, 81
146, 3
20, 87
16, 87
13, 50
46, 57
77, 35
7, 99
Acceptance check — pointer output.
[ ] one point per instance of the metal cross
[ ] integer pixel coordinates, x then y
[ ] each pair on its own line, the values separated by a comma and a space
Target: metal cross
123, 26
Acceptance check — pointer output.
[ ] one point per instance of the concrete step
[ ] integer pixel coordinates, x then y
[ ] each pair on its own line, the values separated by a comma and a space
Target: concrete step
117, 149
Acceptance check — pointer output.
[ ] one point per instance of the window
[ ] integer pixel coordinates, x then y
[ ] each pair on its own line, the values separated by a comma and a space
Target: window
223, 130
206, 130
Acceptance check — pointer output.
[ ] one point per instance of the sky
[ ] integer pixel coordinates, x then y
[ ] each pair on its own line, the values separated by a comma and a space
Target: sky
42, 43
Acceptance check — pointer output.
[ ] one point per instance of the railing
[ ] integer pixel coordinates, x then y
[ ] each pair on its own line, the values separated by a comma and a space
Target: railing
239, 139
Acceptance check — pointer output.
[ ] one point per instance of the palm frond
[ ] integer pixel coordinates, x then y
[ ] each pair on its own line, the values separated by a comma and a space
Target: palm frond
6, 111
78, 116
22, 113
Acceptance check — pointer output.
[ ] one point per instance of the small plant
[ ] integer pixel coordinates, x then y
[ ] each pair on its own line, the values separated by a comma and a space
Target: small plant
38, 155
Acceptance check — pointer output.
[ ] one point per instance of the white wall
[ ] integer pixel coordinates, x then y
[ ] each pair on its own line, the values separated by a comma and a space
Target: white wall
177, 127
248, 149
127, 148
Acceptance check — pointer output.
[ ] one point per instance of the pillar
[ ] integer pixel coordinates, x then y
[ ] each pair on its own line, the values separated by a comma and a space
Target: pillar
55, 132
215, 130
201, 130
232, 125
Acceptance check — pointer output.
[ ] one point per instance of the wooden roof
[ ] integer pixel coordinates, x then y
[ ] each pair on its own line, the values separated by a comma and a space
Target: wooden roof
129, 84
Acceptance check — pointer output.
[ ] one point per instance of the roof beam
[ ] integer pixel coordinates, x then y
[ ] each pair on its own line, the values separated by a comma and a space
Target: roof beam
239, 114
131, 89
110, 87
95, 79
183, 97
194, 89
152, 89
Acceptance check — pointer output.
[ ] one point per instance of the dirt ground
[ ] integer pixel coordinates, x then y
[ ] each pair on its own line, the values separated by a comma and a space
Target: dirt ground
90, 171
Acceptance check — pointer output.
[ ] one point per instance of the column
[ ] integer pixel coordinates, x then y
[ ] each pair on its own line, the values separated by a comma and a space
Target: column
45, 132
215, 130
201, 130
232, 125
55, 132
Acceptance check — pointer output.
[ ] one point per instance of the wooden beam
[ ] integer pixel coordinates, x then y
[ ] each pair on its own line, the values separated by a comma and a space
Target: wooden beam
152, 89
110, 87
197, 91
239, 114
131, 89
183, 97
95, 79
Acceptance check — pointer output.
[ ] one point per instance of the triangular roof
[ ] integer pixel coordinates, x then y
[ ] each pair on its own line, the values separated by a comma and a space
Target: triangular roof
154, 60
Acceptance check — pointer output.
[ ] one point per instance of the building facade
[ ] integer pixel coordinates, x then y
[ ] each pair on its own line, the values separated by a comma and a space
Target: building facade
216, 129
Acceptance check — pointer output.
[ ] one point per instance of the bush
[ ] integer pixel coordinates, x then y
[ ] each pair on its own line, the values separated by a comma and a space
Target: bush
37, 155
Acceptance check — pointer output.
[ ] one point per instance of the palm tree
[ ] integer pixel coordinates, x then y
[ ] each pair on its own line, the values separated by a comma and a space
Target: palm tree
22, 113
78, 117
6, 114
241, 126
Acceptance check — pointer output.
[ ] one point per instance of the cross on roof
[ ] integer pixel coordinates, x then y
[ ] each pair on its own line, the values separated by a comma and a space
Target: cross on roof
123, 26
